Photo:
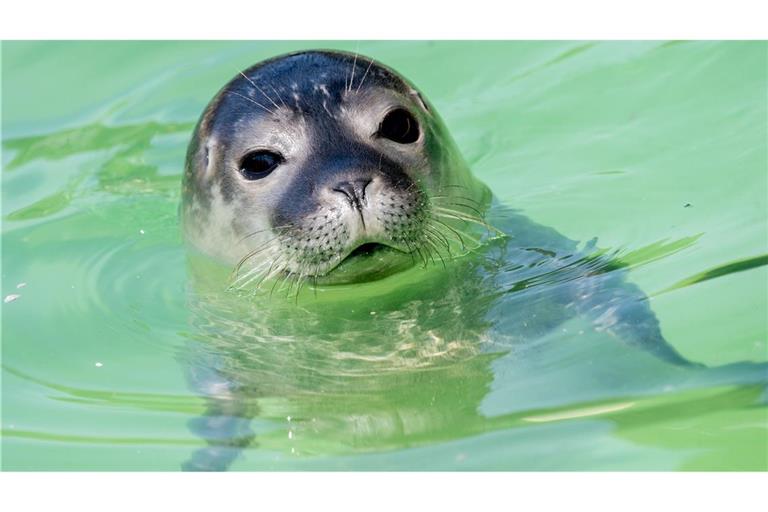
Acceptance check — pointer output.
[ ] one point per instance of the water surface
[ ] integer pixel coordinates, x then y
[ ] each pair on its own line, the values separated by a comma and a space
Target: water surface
650, 156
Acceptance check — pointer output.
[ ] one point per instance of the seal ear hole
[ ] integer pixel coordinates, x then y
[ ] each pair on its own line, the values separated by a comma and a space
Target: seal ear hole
399, 126
207, 164
258, 164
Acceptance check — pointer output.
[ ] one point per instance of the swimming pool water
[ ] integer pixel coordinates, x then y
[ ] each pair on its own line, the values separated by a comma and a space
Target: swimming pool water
656, 149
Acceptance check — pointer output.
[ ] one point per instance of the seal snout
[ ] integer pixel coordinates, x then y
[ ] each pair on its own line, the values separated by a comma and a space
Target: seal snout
354, 190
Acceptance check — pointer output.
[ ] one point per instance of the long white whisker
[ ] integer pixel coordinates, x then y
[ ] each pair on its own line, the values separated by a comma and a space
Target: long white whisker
301, 282
251, 100
250, 276
278, 95
364, 75
268, 275
457, 233
352, 78
448, 213
255, 269
278, 280
278, 228
463, 205
260, 90
463, 198
243, 280
261, 248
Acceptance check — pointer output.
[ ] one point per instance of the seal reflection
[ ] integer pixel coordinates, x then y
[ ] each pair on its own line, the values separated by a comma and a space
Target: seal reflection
410, 360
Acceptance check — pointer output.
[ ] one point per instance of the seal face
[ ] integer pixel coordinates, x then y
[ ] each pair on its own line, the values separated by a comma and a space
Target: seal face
308, 162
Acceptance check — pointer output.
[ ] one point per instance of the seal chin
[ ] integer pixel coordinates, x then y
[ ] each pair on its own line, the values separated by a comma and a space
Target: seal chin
370, 261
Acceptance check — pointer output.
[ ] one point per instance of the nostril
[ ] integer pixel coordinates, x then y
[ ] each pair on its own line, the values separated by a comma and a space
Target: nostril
354, 190
345, 188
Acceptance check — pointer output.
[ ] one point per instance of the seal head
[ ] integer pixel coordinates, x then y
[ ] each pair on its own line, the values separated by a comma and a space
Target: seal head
309, 163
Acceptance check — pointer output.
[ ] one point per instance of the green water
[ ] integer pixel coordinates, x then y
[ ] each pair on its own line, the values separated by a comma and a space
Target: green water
658, 150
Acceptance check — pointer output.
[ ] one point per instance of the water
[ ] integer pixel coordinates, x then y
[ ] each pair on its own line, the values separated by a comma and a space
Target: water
112, 343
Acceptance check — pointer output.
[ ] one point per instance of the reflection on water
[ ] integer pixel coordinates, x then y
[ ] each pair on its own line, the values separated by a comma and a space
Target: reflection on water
120, 351
443, 354
124, 171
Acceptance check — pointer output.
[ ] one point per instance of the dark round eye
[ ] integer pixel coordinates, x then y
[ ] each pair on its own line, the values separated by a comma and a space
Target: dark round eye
258, 164
399, 126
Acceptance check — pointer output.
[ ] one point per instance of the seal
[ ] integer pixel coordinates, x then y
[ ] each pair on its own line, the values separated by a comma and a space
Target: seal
308, 164
328, 167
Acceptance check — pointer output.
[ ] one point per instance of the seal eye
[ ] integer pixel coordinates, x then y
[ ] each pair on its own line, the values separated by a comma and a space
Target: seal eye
399, 126
258, 164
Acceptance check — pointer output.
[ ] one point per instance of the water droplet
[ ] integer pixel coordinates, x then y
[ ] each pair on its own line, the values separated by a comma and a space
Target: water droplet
98, 364
10, 298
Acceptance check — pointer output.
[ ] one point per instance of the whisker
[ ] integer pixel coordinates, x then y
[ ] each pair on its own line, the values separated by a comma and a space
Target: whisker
272, 290
429, 246
295, 279
258, 275
453, 214
364, 75
252, 101
270, 273
260, 90
441, 238
430, 241
302, 281
425, 258
409, 187
235, 276
291, 279
242, 282
410, 251
278, 95
352, 78
457, 214
414, 250
288, 281
251, 254
346, 76
469, 207
249, 235
457, 233
463, 198
255, 271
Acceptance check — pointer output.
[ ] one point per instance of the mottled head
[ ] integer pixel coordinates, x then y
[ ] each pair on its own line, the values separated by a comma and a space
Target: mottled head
310, 163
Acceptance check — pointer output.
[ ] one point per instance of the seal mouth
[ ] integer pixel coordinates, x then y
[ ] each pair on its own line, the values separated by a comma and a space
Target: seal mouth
369, 261
367, 249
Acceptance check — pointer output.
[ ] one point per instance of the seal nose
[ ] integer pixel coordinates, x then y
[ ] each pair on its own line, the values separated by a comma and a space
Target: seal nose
354, 190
